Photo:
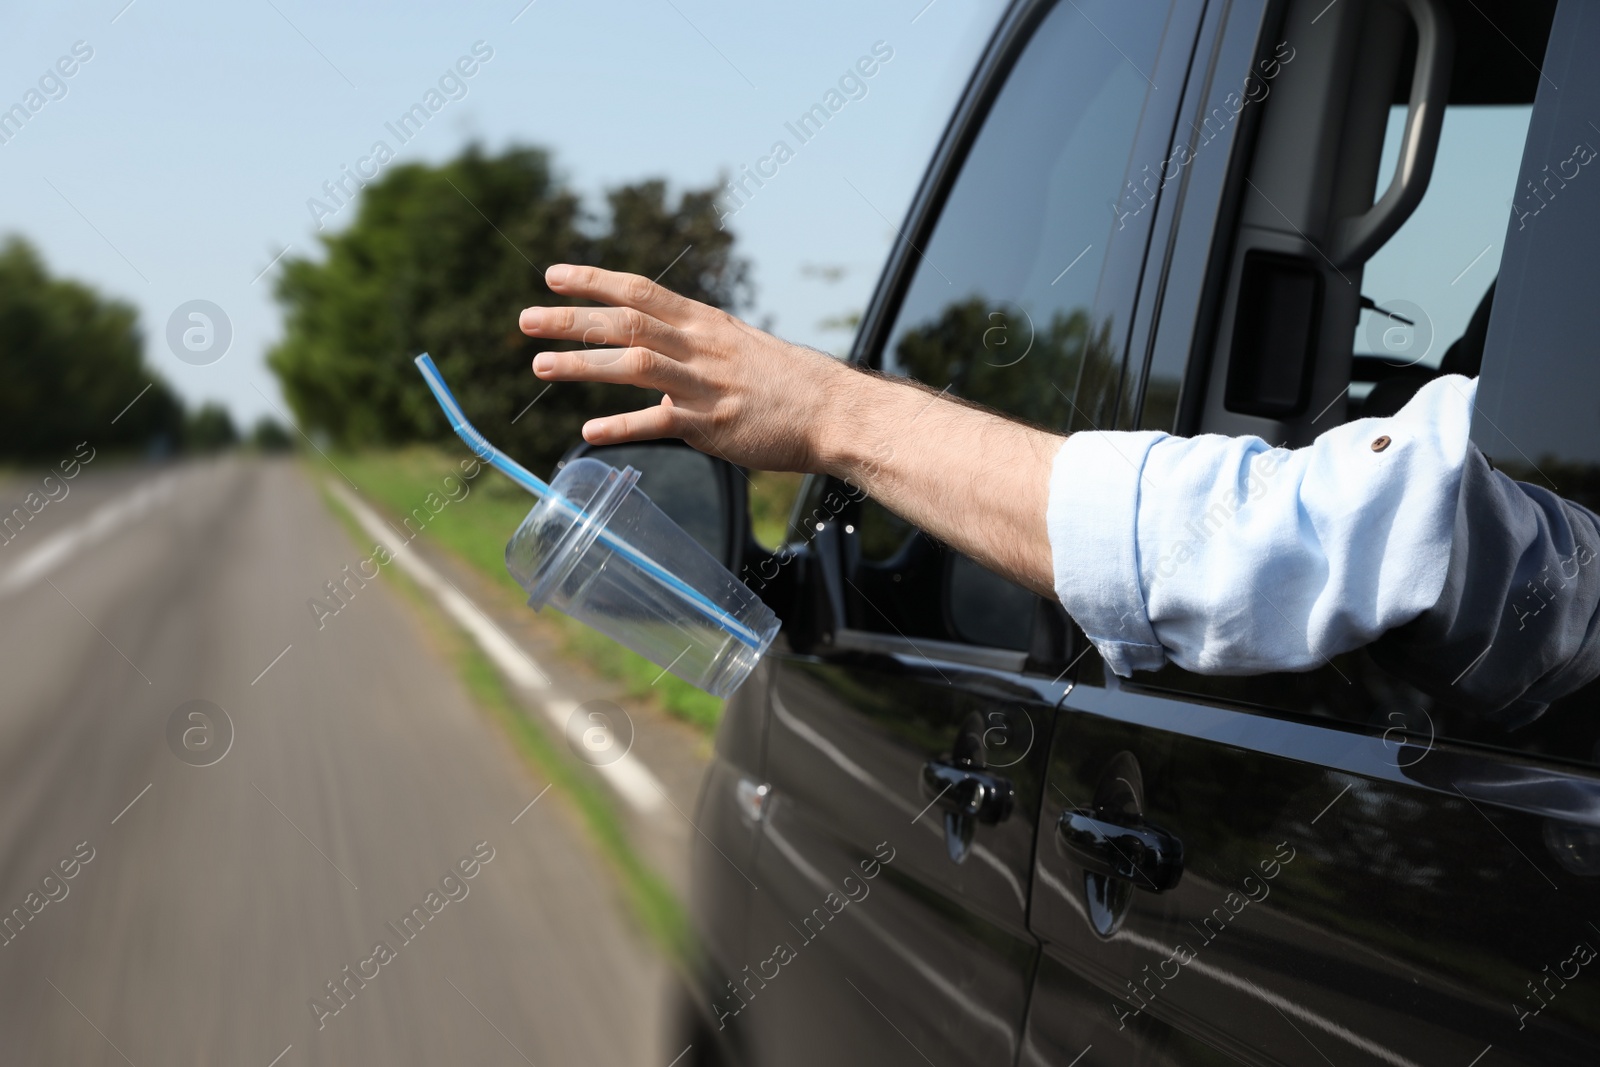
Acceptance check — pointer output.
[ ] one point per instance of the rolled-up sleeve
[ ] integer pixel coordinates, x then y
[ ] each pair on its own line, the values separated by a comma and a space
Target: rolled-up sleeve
1093, 518
1517, 626
1225, 555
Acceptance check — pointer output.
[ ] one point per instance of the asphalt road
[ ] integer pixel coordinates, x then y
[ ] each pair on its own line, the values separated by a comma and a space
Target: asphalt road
221, 899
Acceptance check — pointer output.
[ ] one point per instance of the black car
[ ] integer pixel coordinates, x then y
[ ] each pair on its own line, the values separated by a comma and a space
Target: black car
936, 829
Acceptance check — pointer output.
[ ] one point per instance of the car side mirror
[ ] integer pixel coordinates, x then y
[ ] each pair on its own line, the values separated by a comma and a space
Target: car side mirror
704, 495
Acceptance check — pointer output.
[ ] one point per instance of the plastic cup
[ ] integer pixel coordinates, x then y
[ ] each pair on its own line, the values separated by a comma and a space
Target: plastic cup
597, 549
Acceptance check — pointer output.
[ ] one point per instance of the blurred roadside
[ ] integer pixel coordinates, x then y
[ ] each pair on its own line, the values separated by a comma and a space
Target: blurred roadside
169, 579
254, 803
459, 526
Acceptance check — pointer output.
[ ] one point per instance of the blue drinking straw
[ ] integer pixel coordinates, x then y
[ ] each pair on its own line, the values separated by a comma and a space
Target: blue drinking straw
539, 488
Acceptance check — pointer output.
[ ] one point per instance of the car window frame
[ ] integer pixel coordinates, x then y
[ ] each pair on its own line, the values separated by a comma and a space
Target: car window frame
1123, 271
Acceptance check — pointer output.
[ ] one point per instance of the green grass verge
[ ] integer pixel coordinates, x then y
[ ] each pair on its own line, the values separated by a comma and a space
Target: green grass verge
652, 902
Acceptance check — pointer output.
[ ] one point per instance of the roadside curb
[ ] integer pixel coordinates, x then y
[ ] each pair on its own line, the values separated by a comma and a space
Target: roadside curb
635, 783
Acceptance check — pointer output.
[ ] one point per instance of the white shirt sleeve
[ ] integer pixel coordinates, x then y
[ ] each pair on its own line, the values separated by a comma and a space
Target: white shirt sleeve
1224, 555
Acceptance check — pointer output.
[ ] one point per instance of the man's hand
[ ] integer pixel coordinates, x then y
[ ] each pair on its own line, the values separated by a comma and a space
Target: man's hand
968, 476
730, 389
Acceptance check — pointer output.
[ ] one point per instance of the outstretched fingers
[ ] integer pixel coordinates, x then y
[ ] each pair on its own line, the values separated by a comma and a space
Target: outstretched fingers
613, 327
647, 424
617, 366
623, 290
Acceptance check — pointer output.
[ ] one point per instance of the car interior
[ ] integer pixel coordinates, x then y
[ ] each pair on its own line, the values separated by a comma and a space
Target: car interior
1378, 144
1361, 305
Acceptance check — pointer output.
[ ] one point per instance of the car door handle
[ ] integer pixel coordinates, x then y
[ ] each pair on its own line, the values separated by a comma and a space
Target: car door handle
1135, 851
970, 792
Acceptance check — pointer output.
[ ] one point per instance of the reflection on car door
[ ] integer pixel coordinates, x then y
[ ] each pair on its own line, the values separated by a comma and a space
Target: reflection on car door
894, 860
1345, 896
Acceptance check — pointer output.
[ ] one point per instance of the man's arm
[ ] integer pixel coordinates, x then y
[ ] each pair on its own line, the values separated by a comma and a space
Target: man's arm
1227, 556
1222, 555
969, 477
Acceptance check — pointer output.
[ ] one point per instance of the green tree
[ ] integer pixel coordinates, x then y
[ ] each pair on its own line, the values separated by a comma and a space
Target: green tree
210, 429
992, 355
72, 363
441, 259
269, 435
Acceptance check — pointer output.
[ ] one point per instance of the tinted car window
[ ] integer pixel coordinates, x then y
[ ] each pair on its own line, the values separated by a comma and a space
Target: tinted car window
1003, 306
1538, 414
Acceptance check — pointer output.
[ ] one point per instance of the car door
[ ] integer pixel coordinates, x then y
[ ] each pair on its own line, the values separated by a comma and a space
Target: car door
912, 700
1333, 867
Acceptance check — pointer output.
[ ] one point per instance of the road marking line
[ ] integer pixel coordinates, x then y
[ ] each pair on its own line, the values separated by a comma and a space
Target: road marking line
680, 1056
280, 1056
628, 776
131, 803
1474, 1062
52, 552
263, 674
531, 803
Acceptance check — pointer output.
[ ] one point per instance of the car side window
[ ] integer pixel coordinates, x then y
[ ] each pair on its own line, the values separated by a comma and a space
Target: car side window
1426, 285
1535, 416
1002, 308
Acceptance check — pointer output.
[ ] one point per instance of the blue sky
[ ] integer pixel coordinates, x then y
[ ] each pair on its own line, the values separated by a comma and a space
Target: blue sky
181, 157
1436, 268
